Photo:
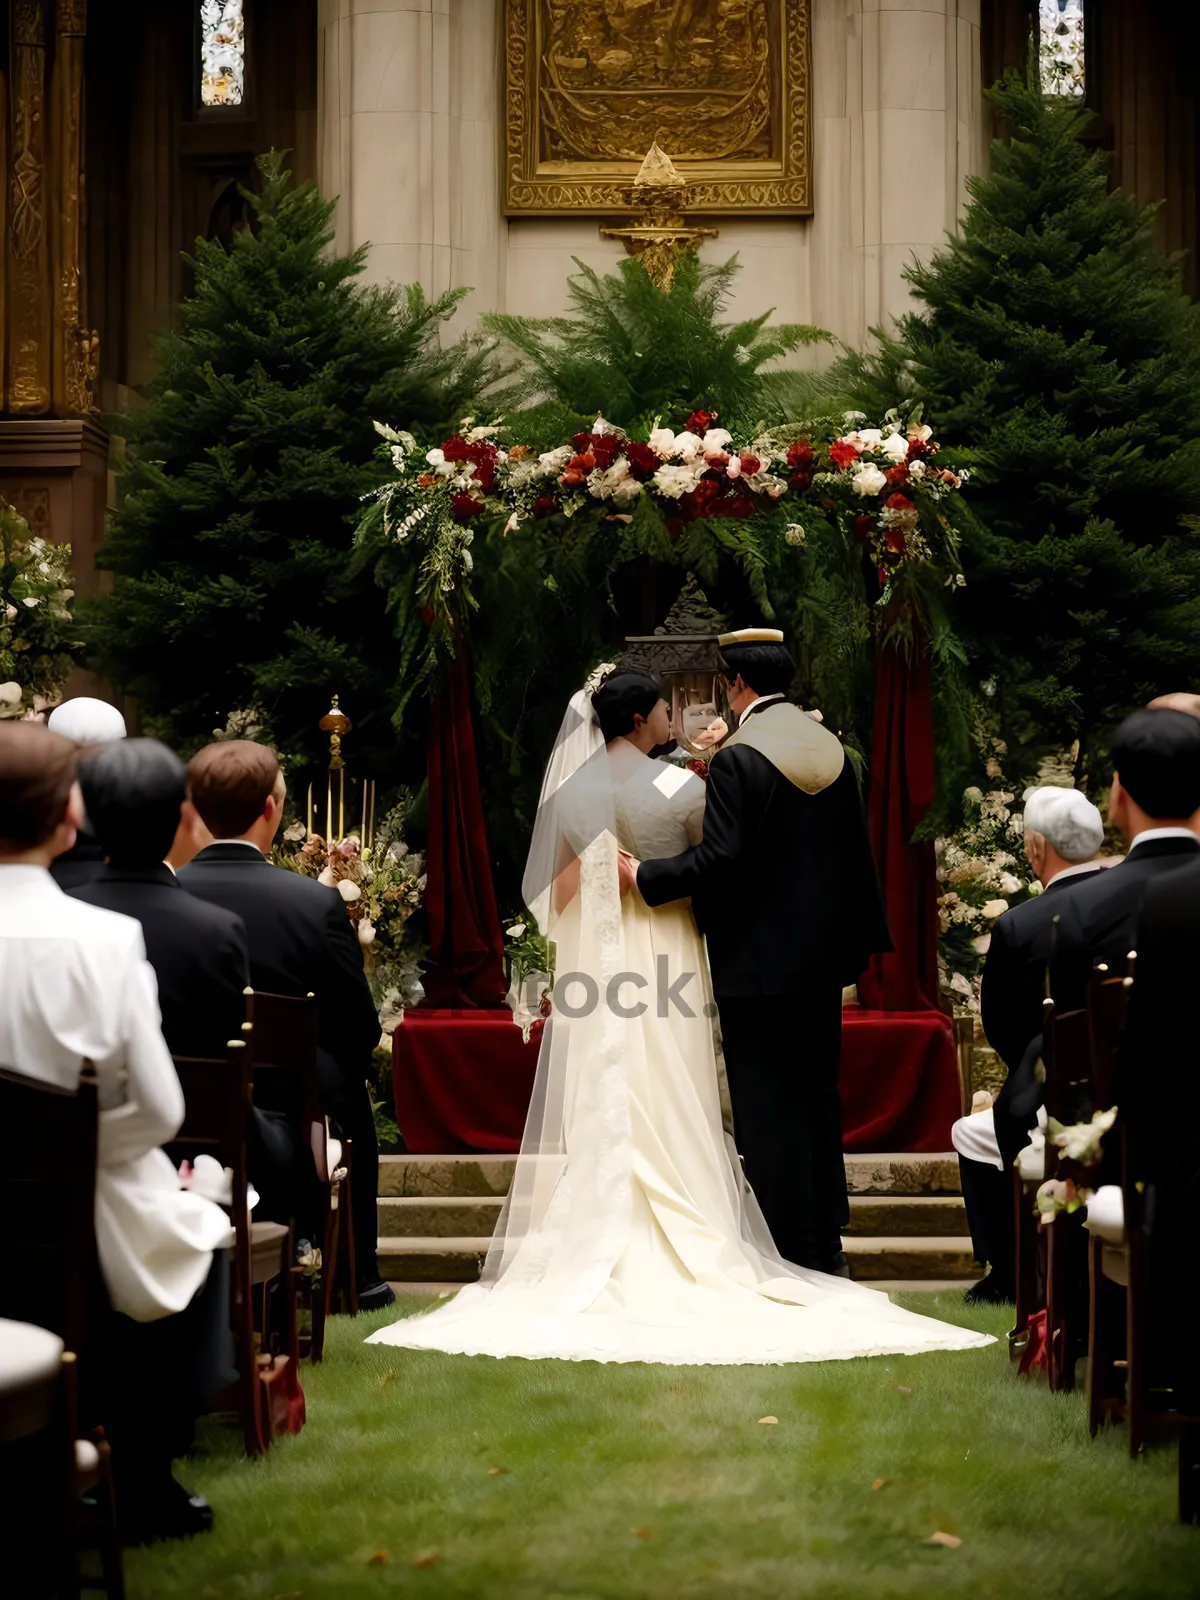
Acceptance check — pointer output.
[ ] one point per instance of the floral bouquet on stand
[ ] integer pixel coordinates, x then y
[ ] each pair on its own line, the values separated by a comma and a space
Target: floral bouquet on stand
529, 957
38, 646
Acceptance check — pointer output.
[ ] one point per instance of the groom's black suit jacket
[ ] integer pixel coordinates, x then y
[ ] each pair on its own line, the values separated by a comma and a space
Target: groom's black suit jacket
783, 883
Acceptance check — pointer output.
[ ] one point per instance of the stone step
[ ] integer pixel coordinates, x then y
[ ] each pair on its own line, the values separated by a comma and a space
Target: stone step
467, 1176
445, 1216
874, 1256
450, 1260
920, 1215
871, 1257
479, 1176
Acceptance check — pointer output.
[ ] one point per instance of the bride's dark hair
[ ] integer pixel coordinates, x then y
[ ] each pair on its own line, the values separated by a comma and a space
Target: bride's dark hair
621, 697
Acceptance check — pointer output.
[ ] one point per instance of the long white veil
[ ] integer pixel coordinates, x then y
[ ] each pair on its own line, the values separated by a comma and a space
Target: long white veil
563, 1226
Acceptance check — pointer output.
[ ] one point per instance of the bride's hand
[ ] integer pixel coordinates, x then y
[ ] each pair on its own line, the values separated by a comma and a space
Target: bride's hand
627, 866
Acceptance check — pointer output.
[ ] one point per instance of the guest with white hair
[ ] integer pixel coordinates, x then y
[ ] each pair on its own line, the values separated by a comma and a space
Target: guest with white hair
1063, 832
87, 723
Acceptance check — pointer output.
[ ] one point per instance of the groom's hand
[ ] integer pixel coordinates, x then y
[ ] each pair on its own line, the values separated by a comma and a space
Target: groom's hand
627, 867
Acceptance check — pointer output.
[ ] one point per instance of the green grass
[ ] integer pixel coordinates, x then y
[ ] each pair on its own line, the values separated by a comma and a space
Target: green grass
647, 1481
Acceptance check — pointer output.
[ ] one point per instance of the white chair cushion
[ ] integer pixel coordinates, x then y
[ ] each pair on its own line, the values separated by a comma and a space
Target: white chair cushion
87, 1457
28, 1354
1106, 1214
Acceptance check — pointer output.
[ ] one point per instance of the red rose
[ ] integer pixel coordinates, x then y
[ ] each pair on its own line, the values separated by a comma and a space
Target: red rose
455, 449
718, 460
864, 526
842, 454
894, 538
606, 447
917, 447
800, 455
800, 481
572, 477
582, 463
741, 503
582, 441
427, 615
899, 502
643, 463
483, 456
545, 506
699, 502
465, 506
700, 422
750, 464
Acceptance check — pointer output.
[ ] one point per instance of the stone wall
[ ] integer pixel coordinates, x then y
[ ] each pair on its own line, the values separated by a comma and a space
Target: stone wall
409, 138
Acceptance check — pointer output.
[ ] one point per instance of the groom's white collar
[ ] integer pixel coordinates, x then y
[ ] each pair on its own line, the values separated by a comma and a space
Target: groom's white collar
759, 700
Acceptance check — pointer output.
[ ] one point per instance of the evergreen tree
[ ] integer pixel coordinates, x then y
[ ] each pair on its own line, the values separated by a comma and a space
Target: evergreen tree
236, 580
1057, 346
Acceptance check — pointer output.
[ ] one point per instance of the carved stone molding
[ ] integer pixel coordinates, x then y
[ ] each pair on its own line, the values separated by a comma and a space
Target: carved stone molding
28, 247
725, 88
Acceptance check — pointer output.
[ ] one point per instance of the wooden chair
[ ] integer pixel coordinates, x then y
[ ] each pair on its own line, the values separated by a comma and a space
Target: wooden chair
281, 1031
1067, 1060
1028, 1244
39, 1492
1107, 1002
48, 1200
217, 1098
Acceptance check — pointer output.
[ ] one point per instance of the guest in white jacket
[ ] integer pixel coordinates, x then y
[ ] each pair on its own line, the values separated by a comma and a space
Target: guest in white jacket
76, 987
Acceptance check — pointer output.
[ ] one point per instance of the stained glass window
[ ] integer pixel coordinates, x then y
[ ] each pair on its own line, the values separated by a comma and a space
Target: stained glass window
1061, 47
222, 53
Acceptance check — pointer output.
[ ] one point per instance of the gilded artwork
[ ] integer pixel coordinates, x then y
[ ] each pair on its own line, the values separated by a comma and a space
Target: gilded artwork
720, 84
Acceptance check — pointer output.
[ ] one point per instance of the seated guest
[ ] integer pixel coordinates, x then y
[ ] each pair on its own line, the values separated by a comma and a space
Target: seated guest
76, 987
1063, 832
136, 791
191, 836
1154, 802
301, 942
87, 723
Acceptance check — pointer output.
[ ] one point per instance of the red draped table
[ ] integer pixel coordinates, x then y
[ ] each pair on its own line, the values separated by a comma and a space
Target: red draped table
463, 1079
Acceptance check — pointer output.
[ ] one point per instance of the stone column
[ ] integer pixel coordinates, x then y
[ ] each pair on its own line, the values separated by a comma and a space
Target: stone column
28, 297
408, 91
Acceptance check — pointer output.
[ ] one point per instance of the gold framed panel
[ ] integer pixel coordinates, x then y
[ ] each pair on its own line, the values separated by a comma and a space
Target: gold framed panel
721, 85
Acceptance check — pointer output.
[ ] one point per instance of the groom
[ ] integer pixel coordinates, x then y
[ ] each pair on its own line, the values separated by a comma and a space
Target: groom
784, 888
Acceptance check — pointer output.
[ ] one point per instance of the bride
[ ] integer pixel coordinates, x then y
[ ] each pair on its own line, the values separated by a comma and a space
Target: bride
629, 1233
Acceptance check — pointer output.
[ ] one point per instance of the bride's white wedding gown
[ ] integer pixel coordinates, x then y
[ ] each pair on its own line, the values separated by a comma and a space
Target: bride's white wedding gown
630, 1234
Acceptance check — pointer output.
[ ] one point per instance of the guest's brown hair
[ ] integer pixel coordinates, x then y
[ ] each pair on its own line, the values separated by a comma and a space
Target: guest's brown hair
37, 770
229, 783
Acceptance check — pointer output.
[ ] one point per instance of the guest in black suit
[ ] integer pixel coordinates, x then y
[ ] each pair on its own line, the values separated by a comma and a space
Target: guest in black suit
89, 724
1063, 832
136, 788
784, 887
300, 942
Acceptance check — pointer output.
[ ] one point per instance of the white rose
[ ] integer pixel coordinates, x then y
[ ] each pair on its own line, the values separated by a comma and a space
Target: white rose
515, 932
982, 944
627, 491
600, 426
916, 469
868, 480
366, 931
716, 439
674, 481
350, 892
1009, 884
896, 447
994, 908
688, 446
662, 442
869, 438
10, 693
435, 458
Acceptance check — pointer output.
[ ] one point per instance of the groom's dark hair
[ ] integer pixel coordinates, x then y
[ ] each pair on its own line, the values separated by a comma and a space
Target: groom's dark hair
622, 696
765, 668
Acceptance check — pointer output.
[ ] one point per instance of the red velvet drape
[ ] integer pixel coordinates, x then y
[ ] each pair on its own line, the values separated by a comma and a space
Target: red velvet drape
903, 784
466, 942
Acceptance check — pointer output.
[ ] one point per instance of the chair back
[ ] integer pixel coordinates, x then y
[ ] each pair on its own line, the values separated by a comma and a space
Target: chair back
1107, 1002
48, 1202
281, 1031
216, 1097
1066, 1056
